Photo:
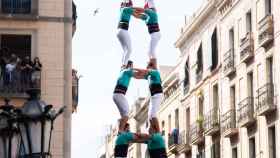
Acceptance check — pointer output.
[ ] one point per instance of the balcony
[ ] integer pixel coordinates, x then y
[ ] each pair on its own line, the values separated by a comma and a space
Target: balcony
19, 8
224, 5
15, 84
229, 124
196, 134
265, 100
228, 65
266, 31
211, 122
247, 48
178, 143
246, 112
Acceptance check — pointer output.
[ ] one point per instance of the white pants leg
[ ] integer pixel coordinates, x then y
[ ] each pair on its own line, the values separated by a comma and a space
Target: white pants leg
155, 37
122, 104
125, 41
154, 105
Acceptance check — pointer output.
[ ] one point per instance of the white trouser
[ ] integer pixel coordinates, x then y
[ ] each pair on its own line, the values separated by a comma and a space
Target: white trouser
122, 104
155, 37
154, 105
125, 41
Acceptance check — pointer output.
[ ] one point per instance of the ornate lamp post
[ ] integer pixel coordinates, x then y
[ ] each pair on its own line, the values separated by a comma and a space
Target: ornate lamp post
9, 134
36, 126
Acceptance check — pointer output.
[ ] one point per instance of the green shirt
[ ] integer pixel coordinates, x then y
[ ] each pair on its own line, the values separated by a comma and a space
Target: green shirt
152, 16
153, 77
126, 13
125, 77
124, 138
156, 142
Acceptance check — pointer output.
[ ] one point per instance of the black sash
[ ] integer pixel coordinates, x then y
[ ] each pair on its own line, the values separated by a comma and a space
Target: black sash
123, 25
120, 89
121, 150
153, 28
155, 89
158, 153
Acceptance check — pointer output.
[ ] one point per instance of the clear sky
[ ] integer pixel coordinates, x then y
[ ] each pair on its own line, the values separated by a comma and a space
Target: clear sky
97, 57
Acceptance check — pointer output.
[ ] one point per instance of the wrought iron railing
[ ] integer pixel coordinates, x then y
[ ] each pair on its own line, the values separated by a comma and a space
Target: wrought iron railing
16, 6
265, 98
245, 110
15, 83
246, 46
228, 120
196, 131
211, 120
266, 29
228, 60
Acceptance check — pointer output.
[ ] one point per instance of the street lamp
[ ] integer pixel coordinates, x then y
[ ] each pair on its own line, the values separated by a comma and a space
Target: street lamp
36, 126
9, 134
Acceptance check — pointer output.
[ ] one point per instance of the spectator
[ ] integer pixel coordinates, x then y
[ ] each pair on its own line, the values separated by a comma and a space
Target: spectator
36, 74
9, 79
3, 62
26, 70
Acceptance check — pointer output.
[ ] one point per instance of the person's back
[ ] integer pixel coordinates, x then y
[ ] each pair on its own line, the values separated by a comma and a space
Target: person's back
156, 146
122, 143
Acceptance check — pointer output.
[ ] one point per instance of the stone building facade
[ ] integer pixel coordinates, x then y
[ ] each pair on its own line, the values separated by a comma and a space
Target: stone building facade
42, 28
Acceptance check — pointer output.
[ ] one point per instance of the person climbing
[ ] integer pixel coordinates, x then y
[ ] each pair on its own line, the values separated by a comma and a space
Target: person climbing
123, 36
124, 139
151, 17
120, 90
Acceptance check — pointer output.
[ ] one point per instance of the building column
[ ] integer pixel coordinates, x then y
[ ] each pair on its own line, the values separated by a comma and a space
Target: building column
67, 78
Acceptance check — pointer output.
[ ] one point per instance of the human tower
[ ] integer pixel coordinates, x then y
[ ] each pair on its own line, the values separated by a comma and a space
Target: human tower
153, 139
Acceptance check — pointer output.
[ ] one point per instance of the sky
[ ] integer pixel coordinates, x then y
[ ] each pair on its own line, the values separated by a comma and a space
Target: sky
97, 57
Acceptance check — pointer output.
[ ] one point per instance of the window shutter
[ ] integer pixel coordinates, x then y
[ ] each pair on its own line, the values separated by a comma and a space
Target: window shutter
209, 51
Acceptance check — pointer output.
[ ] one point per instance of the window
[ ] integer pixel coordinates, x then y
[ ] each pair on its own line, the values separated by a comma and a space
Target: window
188, 120
199, 69
270, 75
187, 78
199, 59
201, 152
234, 152
231, 39
177, 118
215, 97
16, 6
249, 21
250, 83
268, 8
163, 128
272, 142
214, 46
200, 106
252, 148
20, 45
232, 97
215, 150
169, 123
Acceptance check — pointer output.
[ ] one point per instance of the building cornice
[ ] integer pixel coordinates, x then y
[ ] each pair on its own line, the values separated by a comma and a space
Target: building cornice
35, 18
197, 20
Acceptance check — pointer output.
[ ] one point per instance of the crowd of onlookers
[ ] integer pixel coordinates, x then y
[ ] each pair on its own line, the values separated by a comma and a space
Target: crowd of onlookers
18, 74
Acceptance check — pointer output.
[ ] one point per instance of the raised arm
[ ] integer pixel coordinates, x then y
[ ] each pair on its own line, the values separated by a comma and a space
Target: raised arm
140, 73
140, 138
